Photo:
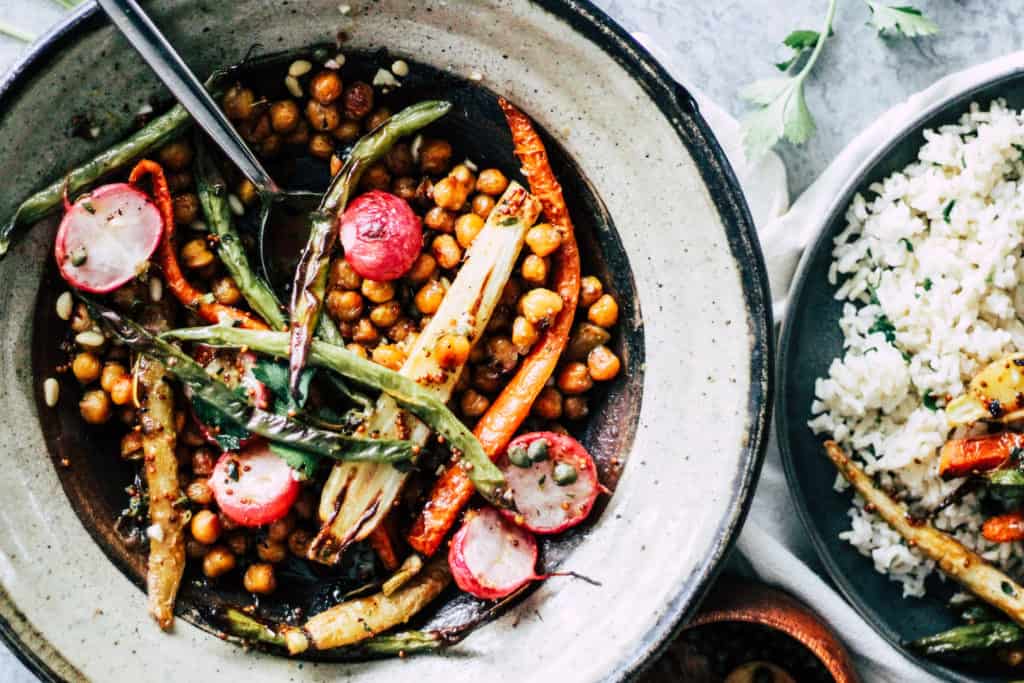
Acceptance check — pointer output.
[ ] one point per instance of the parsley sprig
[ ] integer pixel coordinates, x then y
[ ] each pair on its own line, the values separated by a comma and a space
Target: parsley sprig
782, 108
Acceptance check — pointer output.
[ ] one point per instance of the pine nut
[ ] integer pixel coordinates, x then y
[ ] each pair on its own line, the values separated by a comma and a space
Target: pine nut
300, 67
51, 391
90, 339
65, 306
156, 289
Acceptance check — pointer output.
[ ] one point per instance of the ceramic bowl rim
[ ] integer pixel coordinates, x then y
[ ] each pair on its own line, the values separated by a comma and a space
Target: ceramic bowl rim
681, 110
783, 364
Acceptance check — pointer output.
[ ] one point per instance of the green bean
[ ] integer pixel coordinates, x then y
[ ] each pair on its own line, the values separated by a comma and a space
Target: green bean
155, 134
486, 477
215, 394
310, 282
983, 636
213, 195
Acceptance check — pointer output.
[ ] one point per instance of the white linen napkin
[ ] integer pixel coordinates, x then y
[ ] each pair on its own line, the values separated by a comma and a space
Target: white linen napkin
773, 545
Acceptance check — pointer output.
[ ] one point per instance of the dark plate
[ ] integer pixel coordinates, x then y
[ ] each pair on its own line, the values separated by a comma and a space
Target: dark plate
809, 341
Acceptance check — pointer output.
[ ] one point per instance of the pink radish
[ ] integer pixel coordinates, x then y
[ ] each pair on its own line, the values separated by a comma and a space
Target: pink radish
381, 235
254, 486
490, 557
106, 238
552, 479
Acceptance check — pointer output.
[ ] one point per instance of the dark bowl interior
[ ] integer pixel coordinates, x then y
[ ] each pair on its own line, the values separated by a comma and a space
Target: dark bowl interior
95, 485
810, 339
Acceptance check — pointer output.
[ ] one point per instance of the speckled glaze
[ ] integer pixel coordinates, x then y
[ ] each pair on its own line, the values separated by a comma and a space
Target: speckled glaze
700, 283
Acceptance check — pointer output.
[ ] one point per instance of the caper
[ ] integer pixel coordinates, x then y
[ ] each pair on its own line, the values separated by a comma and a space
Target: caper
538, 450
564, 474
517, 456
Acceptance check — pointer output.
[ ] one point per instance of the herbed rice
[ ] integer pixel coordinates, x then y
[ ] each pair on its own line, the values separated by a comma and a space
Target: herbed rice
929, 267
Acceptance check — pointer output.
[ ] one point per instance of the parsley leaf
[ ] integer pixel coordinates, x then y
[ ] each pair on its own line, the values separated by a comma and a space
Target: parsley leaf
884, 325
927, 284
948, 210
908, 21
929, 401
783, 110
800, 41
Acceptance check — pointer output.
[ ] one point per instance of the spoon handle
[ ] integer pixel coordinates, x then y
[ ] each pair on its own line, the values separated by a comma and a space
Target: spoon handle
147, 39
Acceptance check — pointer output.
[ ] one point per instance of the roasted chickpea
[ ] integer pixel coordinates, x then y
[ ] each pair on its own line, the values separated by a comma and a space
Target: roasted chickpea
298, 542
218, 562
359, 350
604, 312
203, 462
376, 118
543, 239
378, 292
344, 305
279, 529
467, 227
388, 355
321, 146
179, 181
80, 319
425, 193
540, 305
256, 130
357, 100
86, 367
238, 103
575, 407
422, 268
435, 156
548, 405
428, 299
386, 314
464, 177
399, 159
491, 182
448, 194
284, 116
199, 492
95, 407
574, 378
195, 254
473, 403
271, 551
502, 353
451, 351
486, 379
591, 290
482, 205
343, 275
325, 87
348, 131
402, 330
376, 177
534, 270
176, 156
225, 291
440, 219
122, 391
299, 135
524, 334
603, 364
404, 187
446, 251
206, 527
365, 332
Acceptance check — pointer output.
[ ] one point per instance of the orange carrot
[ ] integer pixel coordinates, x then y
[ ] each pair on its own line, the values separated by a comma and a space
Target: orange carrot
961, 457
382, 544
166, 256
453, 490
1004, 528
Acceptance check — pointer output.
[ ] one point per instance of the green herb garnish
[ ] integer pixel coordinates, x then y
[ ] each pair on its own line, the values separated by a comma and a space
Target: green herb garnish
948, 210
906, 21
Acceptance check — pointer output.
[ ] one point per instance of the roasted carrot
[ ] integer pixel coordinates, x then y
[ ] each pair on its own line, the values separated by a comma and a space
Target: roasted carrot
961, 457
453, 490
381, 541
1004, 528
167, 258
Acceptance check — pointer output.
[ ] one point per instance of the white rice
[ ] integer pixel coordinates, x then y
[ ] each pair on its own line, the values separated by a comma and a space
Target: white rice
930, 268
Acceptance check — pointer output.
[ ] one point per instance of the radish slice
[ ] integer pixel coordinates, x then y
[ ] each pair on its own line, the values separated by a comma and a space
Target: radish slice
254, 487
490, 557
381, 235
552, 479
106, 238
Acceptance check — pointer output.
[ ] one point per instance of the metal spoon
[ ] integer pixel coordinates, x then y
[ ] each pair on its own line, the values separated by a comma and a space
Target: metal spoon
154, 48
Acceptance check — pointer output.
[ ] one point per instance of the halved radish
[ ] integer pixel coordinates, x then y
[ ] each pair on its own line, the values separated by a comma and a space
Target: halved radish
381, 235
552, 480
106, 238
254, 486
490, 557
